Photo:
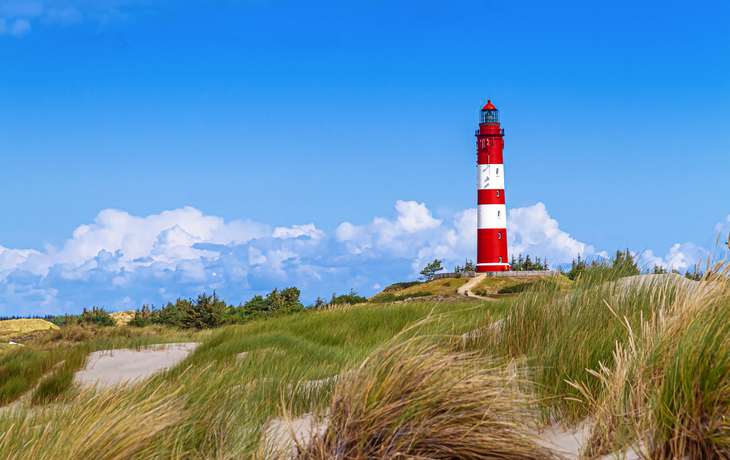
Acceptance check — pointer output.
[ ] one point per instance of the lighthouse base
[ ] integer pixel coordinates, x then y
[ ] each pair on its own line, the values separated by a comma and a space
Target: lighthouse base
484, 268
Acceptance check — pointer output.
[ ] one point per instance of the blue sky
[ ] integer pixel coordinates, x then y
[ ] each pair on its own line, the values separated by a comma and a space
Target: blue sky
354, 121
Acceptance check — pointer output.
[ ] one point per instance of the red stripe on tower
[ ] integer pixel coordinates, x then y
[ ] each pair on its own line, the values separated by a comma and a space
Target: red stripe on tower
491, 209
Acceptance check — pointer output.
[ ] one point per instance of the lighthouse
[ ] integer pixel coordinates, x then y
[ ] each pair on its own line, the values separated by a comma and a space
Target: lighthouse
491, 210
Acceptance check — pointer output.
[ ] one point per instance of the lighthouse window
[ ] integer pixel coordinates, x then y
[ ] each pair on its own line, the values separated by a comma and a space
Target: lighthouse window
497, 192
499, 213
499, 235
500, 259
498, 171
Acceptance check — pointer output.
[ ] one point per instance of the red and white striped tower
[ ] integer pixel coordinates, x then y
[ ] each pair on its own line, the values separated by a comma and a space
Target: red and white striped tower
491, 210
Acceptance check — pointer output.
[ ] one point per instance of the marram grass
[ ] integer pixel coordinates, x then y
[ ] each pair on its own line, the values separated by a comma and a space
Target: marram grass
415, 400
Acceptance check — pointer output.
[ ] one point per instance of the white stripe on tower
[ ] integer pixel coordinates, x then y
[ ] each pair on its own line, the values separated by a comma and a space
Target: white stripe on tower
491, 216
491, 176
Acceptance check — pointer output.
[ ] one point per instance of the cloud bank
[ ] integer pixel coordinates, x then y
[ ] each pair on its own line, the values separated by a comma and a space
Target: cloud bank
120, 261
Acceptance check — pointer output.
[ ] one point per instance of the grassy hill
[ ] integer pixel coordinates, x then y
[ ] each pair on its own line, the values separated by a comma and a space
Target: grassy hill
498, 287
443, 286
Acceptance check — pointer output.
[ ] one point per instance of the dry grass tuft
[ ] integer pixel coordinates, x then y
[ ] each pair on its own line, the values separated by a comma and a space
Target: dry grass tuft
412, 400
115, 424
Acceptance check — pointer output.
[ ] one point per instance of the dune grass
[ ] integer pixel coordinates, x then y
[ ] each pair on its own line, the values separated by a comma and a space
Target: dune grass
237, 380
565, 335
646, 358
415, 399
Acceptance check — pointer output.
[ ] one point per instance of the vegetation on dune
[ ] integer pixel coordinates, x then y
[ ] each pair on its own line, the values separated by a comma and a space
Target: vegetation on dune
646, 358
414, 399
225, 391
47, 364
351, 299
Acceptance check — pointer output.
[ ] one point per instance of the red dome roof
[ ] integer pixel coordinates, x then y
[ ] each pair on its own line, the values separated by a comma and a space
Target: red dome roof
489, 105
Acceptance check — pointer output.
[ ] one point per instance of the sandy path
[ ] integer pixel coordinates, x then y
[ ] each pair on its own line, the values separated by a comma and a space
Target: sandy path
112, 367
466, 289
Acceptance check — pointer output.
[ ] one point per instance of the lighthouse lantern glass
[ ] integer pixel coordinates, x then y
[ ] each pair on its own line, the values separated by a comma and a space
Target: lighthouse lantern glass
489, 116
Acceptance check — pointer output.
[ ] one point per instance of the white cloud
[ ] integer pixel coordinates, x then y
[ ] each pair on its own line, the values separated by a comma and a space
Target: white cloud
532, 230
298, 230
122, 261
685, 256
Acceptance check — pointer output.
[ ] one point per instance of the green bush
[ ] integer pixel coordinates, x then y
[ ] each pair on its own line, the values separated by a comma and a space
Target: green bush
351, 298
96, 316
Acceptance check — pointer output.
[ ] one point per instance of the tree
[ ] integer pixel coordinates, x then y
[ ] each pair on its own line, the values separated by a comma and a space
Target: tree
469, 266
626, 265
320, 302
429, 272
205, 312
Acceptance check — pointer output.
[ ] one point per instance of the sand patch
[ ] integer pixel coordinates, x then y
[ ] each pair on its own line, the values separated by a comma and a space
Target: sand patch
122, 318
570, 442
113, 367
14, 327
282, 437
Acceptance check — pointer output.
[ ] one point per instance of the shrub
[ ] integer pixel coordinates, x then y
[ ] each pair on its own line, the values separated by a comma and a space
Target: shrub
352, 298
96, 316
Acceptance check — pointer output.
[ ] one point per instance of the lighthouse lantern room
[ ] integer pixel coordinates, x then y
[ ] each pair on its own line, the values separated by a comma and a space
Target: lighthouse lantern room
491, 210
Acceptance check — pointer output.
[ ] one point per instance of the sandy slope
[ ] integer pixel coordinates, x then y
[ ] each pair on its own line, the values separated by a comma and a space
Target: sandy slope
111, 367
121, 318
15, 327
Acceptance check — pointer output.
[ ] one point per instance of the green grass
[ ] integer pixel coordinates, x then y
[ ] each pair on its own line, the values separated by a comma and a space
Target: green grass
566, 335
22, 368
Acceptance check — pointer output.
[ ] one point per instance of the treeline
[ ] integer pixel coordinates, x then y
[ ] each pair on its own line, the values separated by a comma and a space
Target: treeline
205, 311
527, 264
209, 311
46, 317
